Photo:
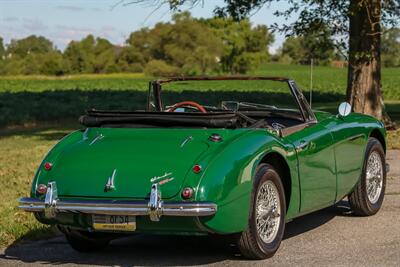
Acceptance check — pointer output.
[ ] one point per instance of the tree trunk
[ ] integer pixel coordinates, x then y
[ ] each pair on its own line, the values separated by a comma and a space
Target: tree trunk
364, 88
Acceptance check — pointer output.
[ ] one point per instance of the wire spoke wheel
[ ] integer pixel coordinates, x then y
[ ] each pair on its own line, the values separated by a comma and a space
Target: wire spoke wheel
374, 177
268, 210
264, 233
367, 196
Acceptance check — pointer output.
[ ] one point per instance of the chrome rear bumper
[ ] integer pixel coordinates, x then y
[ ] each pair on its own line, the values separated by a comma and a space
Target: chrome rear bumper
155, 207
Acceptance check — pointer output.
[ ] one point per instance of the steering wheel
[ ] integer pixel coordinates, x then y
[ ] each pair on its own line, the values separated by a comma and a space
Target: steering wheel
188, 103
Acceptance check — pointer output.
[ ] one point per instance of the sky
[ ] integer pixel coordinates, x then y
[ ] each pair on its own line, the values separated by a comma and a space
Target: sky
64, 20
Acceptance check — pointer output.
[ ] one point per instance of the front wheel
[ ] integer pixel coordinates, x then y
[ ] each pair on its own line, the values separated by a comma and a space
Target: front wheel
267, 216
367, 197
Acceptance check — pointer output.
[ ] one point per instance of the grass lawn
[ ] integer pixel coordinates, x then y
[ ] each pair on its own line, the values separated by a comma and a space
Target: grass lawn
21, 152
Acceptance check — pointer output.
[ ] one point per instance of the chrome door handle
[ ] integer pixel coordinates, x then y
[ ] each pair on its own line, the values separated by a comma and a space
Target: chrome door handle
303, 145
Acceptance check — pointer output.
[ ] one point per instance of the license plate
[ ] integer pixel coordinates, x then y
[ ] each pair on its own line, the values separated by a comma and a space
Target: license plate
114, 222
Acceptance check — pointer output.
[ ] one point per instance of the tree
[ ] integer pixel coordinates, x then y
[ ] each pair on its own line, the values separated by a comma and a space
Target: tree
103, 56
358, 21
31, 44
391, 48
52, 64
245, 47
199, 46
301, 49
2, 49
186, 45
129, 59
90, 55
77, 58
32, 55
191, 46
292, 51
2, 57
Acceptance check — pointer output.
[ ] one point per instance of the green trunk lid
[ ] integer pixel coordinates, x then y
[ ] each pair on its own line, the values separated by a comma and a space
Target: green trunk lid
136, 157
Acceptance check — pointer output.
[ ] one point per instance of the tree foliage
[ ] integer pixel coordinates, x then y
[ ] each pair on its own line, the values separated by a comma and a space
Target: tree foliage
32, 55
2, 49
301, 49
184, 46
31, 44
244, 47
90, 55
357, 27
391, 48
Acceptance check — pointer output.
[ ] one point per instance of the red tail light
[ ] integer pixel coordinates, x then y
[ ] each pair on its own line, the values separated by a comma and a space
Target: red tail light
196, 168
187, 193
41, 189
47, 166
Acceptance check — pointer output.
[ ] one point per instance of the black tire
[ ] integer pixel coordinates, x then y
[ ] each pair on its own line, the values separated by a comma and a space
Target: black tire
250, 243
358, 199
84, 241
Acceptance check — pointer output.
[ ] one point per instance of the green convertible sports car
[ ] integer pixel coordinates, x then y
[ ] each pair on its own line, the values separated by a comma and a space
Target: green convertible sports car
209, 166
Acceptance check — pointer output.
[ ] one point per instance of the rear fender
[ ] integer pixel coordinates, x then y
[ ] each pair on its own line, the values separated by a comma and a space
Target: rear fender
42, 176
228, 179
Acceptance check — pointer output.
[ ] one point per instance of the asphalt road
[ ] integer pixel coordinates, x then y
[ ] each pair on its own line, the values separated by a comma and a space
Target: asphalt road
329, 237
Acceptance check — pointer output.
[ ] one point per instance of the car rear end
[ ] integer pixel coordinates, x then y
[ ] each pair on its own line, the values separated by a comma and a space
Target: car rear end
126, 180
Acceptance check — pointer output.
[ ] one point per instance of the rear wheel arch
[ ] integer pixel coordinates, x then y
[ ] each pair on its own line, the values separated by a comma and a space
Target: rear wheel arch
279, 163
379, 136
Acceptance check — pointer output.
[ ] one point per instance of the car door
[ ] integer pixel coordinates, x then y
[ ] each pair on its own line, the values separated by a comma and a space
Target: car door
349, 150
316, 166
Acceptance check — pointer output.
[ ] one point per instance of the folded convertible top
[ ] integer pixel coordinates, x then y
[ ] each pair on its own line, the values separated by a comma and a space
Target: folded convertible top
128, 119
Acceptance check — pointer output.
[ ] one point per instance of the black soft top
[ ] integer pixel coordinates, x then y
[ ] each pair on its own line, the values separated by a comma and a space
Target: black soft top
101, 118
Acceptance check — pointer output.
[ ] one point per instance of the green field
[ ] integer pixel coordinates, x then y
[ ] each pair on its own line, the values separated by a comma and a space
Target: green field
325, 80
35, 110
34, 99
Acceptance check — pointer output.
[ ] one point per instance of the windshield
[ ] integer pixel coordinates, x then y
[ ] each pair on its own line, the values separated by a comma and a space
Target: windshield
228, 95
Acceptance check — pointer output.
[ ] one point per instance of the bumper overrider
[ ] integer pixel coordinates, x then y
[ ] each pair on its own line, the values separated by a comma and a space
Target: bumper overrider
155, 207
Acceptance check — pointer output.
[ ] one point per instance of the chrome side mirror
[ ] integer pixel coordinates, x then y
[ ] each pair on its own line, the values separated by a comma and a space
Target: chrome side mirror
344, 109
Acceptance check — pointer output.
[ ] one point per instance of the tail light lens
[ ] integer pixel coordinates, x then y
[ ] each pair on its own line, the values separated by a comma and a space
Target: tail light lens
196, 168
47, 166
41, 189
187, 193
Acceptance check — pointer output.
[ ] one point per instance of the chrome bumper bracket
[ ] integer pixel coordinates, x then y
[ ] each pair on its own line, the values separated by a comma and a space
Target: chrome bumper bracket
155, 203
50, 200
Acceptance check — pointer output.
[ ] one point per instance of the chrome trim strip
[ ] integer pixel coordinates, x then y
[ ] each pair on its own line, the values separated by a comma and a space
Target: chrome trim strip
97, 138
187, 139
112, 207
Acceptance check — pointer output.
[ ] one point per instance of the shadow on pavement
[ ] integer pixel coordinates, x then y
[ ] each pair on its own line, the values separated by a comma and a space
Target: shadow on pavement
159, 250
130, 251
313, 220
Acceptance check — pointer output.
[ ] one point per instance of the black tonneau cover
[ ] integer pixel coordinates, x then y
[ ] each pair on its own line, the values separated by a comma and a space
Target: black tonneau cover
99, 118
